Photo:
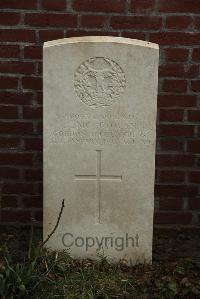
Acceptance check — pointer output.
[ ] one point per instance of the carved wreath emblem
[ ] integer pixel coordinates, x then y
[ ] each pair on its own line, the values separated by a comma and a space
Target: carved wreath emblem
99, 82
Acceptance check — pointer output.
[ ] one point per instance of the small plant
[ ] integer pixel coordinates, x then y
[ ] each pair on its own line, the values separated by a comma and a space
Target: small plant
16, 280
49, 274
53, 274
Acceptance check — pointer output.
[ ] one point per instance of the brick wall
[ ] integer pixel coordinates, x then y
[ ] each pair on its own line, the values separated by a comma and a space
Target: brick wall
175, 25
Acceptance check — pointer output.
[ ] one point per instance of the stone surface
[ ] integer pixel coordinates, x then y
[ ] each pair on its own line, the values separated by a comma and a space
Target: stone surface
99, 145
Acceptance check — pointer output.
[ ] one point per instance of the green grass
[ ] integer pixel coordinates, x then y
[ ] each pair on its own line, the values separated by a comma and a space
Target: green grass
32, 271
48, 274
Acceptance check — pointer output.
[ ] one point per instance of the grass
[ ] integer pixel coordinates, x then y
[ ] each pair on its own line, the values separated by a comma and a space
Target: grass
35, 272
49, 274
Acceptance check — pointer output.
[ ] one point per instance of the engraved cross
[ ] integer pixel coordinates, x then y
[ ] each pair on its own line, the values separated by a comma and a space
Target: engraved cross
98, 178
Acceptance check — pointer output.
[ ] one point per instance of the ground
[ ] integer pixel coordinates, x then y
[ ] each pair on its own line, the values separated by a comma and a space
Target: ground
42, 274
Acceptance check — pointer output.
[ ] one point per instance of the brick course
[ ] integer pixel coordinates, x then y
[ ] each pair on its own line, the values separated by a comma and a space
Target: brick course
175, 25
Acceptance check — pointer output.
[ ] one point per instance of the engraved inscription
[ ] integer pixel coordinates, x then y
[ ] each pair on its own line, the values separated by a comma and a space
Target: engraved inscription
101, 129
99, 82
98, 179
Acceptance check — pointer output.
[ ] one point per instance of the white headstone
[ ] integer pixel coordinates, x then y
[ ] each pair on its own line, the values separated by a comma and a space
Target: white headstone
99, 145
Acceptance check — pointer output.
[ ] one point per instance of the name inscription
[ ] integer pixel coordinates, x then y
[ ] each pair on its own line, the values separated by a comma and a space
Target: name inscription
104, 129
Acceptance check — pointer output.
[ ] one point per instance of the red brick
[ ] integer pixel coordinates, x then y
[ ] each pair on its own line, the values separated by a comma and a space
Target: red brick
33, 174
180, 6
196, 54
197, 23
100, 6
174, 160
47, 35
194, 177
198, 162
17, 67
9, 142
176, 38
38, 216
176, 190
38, 163
40, 68
53, 5
171, 145
39, 190
198, 219
18, 4
170, 176
193, 146
92, 21
34, 83
9, 51
142, 6
16, 128
135, 35
14, 188
194, 115
16, 98
39, 98
32, 112
33, 201
176, 130
33, 144
8, 112
17, 35
170, 203
181, 218
9, 201
174, 86
179, 70
173, 163
8, 82
51, 19
177, 101
136, 22
15, 215
39, 127
195, 85
33, 52
178, 22
176, 54
7, 18
194, 203
9, 173
171, 115
16, 159
73, 33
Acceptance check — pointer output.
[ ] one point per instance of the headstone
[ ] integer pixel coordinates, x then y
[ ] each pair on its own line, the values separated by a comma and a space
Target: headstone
99, 146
